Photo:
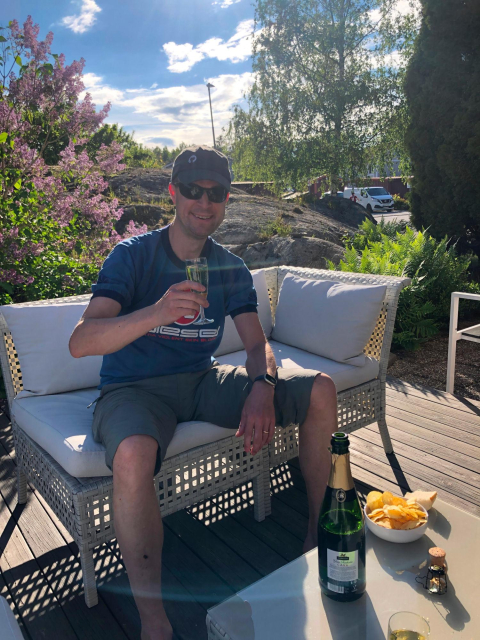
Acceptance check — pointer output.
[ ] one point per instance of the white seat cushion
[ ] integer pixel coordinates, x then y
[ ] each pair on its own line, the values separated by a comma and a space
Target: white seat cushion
343, 375
62, 425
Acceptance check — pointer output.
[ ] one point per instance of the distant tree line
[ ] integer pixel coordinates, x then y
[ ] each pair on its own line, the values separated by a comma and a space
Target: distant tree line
135, 153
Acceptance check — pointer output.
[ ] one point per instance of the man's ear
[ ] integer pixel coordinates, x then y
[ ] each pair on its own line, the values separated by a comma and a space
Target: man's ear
171, 190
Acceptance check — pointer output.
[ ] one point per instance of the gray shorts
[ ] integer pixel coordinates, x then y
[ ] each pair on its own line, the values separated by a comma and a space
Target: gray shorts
154, 406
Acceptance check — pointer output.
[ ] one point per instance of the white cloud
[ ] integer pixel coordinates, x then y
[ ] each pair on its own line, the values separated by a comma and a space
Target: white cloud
179, 113
182, 57
401, 8
101, 93
225, 3
85, 19
154, 85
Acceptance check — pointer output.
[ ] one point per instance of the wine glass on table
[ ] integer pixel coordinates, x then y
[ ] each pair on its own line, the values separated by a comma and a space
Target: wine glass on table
408, 626
197, 271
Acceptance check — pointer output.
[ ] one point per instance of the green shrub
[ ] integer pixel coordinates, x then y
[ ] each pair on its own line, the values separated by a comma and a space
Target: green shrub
402, 204
433, 266
275, 228
370, 232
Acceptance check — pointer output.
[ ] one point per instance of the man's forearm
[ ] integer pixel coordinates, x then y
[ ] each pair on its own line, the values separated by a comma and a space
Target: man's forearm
100, 336
261, 360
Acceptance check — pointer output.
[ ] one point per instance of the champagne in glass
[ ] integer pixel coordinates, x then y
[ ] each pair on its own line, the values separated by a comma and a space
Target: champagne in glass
405, 625
197, 271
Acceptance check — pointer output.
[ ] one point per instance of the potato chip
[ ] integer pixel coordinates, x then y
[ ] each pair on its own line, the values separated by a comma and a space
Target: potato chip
397, 513
394, 512
374, 500
387, 497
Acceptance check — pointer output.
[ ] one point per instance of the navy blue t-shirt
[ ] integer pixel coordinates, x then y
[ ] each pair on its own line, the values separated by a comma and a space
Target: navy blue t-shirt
137, 273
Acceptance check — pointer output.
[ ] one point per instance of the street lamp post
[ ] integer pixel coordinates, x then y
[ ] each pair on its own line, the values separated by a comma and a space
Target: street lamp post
209, 86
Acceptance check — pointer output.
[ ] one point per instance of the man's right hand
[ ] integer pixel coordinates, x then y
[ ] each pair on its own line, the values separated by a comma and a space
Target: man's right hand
100, 330
182, 299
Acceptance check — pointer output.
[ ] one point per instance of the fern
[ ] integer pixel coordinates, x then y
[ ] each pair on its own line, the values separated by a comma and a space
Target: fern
395, 249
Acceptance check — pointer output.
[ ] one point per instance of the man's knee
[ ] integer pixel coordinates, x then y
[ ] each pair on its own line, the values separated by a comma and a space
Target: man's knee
324, 393
135, 459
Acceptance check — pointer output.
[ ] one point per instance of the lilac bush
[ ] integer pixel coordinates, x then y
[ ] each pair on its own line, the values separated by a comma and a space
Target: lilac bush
56, 223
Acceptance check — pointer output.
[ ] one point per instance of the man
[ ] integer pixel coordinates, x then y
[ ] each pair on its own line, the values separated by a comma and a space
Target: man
152, 377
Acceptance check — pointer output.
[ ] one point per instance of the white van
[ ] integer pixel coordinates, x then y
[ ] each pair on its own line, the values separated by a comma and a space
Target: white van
373, 199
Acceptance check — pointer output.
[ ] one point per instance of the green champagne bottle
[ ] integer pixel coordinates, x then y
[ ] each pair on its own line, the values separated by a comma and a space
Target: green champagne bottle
341, 530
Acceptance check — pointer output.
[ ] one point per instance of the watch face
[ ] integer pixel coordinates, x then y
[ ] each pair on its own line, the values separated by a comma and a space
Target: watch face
270, 379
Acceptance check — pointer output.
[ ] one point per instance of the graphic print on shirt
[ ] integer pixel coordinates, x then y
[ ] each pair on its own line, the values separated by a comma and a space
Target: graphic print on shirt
185, 335
184, 320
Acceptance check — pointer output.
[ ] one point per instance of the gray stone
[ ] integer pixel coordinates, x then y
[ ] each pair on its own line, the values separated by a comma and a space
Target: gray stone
149, 214
296, 252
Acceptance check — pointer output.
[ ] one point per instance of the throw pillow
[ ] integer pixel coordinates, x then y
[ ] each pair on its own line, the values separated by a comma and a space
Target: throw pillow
331, 319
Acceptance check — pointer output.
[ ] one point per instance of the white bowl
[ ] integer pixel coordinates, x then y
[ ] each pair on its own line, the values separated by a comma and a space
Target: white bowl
396, 535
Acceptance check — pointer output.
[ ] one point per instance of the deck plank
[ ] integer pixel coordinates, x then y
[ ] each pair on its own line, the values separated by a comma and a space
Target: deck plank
434, 395
38, 606
213, 551
464, 453
462, 420
446, 428
422, 464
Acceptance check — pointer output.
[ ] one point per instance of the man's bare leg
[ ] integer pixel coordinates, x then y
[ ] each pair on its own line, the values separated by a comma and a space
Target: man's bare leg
139, 529
314, 457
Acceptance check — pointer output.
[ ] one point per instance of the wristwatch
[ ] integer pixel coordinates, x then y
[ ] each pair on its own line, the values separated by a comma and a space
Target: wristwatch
266, 377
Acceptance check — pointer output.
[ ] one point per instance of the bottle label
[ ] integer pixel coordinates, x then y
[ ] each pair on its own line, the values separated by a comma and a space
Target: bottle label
342, 566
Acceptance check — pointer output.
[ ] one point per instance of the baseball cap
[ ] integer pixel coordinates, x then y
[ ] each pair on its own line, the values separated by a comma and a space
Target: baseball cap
201, 163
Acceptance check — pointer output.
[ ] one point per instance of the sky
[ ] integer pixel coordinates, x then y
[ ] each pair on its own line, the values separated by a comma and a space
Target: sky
152, 59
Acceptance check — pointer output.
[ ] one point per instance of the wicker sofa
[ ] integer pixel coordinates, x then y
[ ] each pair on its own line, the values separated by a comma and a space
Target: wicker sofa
52, 432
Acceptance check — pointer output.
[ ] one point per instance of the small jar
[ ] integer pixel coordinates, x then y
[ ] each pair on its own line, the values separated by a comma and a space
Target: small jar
436, 581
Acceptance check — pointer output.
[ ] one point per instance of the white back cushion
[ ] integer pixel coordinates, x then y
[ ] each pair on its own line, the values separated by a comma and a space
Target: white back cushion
231, 340
331, 319
41, 334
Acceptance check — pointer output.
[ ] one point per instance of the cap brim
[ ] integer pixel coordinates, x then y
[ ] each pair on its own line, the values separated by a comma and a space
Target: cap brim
186, 177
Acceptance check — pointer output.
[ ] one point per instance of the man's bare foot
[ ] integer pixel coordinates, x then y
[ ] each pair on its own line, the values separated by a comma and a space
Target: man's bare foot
162, 631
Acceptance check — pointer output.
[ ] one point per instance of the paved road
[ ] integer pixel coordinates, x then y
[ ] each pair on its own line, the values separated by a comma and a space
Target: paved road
395, 215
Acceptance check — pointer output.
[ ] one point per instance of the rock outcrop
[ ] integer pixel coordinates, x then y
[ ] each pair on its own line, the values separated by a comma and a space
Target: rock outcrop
296, 252
263, 230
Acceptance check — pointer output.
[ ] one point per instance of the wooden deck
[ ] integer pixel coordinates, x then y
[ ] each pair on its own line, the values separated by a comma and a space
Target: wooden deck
216, 548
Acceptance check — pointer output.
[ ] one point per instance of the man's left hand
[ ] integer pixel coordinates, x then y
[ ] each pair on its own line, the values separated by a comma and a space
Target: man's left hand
257, 423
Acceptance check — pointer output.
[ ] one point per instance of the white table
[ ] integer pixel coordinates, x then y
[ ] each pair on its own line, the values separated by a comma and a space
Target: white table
288, 604
9, 629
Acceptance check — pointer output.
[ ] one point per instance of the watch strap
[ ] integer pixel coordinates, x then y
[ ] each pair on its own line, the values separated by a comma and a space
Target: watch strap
271, 380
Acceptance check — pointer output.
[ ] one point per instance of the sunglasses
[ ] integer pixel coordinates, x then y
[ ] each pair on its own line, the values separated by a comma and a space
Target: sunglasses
195, 192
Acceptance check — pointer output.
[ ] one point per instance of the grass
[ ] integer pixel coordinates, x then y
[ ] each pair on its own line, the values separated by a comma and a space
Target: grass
275, 228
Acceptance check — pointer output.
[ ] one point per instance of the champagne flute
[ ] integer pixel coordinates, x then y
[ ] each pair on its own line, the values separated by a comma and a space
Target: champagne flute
408, 626
197, 271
